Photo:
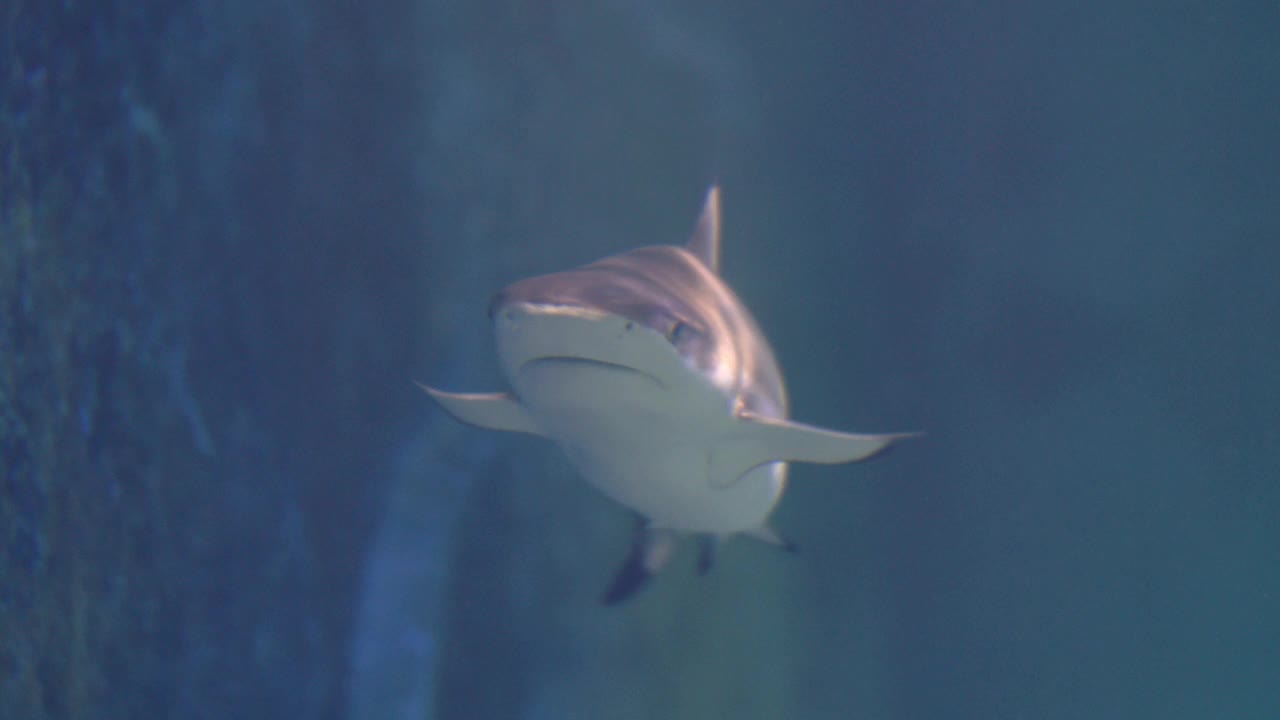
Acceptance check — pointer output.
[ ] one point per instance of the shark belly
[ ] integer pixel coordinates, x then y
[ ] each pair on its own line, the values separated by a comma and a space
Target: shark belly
646, 445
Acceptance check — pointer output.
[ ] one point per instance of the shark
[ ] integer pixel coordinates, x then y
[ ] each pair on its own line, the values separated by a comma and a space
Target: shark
657, 383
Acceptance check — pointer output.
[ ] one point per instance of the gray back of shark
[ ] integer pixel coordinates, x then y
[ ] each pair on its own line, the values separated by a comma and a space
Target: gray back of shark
658, 384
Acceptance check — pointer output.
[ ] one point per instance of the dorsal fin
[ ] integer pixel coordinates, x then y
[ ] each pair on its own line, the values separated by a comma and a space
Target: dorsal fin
705, 242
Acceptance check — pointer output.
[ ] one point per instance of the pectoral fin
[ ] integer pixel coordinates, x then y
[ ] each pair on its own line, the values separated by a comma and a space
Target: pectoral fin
767, 534
708, 550
496, 411
756, 440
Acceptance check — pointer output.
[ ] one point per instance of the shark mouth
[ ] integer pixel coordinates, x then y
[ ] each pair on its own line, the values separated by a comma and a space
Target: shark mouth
585, 363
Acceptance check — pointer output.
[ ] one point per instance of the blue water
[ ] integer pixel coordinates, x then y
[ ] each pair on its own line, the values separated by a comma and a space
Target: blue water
1043, 234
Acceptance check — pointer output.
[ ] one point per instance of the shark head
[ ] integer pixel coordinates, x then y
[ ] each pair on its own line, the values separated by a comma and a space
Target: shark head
653, 377
661, 312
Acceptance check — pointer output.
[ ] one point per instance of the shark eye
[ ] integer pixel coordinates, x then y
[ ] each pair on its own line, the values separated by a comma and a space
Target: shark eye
681, 332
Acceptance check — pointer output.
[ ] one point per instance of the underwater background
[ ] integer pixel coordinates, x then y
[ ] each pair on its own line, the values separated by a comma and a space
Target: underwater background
232, 233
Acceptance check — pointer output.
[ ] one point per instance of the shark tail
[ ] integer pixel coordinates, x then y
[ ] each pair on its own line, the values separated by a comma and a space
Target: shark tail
649, 553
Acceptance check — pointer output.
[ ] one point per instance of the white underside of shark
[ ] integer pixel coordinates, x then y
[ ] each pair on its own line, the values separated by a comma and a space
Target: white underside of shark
654, 379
